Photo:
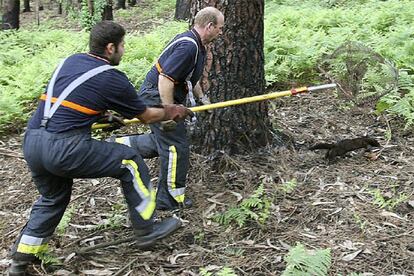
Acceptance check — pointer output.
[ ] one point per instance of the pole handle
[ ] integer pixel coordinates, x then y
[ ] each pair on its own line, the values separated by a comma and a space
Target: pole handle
257, 98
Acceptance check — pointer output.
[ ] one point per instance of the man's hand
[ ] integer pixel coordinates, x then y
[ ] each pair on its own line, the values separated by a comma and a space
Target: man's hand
176, 112
205, 100
109, 118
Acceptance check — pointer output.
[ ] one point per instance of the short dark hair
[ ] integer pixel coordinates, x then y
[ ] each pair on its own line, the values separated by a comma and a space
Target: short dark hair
102, 34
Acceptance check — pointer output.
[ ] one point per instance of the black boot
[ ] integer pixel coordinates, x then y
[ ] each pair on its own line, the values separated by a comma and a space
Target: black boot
159, 230
20, 262
18, 268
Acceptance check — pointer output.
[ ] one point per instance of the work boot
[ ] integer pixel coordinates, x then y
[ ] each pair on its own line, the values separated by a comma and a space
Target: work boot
20, 262
149, 236
187, 204
18, 268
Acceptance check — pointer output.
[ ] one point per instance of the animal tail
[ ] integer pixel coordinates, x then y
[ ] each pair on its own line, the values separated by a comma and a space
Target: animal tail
322, 146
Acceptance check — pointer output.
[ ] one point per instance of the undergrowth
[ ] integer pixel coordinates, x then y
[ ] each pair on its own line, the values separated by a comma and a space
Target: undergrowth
254, 208
297, 35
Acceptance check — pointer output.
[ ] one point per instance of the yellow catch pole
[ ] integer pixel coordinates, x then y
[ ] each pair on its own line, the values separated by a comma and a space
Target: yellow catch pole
253, 99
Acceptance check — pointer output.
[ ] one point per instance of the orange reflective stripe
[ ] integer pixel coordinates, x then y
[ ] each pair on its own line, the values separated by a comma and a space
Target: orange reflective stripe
73, 106
159, 69
158, 66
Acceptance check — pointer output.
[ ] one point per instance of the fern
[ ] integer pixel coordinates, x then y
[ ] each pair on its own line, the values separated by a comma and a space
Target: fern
225, 271
304, 262
48, 259
255, 208
64, 222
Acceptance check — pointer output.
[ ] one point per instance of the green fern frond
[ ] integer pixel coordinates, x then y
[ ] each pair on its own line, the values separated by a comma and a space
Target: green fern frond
303, 262
48, 259
255, 208
64, 222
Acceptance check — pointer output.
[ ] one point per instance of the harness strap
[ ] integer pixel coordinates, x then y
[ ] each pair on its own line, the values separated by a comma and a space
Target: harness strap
50, 111
190, 95
74, 106
186, 38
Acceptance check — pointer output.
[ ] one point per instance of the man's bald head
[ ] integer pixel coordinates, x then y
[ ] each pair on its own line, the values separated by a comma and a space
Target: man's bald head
207, 15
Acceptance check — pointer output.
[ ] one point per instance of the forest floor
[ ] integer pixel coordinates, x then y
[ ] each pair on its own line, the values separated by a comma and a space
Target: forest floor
361, 206
332, 206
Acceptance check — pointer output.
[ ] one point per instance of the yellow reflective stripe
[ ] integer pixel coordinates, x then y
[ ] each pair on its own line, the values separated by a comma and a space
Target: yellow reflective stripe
123, 140
137, 176
148, 196
173, 172
32, 249
180, 198
149, 209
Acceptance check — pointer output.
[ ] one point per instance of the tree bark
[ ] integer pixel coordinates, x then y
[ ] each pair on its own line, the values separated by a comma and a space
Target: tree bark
234, 69
26, 4
107, 13
120, 4
182, 9
11, 14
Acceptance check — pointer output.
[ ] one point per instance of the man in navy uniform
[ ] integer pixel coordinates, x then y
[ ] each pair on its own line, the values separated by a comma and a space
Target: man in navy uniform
58, 145
175, 79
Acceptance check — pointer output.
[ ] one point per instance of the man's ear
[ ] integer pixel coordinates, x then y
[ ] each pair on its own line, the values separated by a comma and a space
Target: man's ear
110, 48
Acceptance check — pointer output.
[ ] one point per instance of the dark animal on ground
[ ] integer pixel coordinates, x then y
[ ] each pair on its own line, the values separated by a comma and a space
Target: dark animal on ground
342, 147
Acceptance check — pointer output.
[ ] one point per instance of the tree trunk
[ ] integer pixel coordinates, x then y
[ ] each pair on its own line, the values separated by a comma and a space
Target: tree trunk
107, 13
235, 69
182, 9
10, 16
26, 4
120, 4
91, 7
37, 13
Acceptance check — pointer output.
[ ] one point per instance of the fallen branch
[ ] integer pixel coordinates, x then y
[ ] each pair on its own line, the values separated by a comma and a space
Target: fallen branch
105, 244
15, 155
120, 272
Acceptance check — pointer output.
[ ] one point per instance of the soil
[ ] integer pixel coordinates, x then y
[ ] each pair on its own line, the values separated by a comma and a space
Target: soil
332, 206
361, 206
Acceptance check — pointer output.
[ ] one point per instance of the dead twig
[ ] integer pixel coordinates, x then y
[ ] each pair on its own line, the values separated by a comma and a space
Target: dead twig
104, 244
120, 272
396, 236
15, 155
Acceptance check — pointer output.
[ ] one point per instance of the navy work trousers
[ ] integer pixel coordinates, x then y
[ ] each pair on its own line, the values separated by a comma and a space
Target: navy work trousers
55, 159
172, 147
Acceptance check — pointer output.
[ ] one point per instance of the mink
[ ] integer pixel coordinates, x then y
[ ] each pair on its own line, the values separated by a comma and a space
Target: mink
342, 147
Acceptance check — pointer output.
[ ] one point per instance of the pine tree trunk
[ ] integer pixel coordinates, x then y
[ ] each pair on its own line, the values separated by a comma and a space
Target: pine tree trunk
182, 9
91, 7
107, 13
26, 4
235, 69
11, 14
120, 4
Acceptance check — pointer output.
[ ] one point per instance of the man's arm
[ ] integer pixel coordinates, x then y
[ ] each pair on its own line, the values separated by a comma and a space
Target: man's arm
166, 89
167, 112
198, 92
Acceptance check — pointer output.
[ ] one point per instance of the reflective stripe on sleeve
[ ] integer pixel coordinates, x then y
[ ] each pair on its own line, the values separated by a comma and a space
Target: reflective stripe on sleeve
147, 206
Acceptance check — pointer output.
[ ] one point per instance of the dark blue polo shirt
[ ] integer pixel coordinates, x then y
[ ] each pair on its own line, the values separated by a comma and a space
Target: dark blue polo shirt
110, 89
177, 63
